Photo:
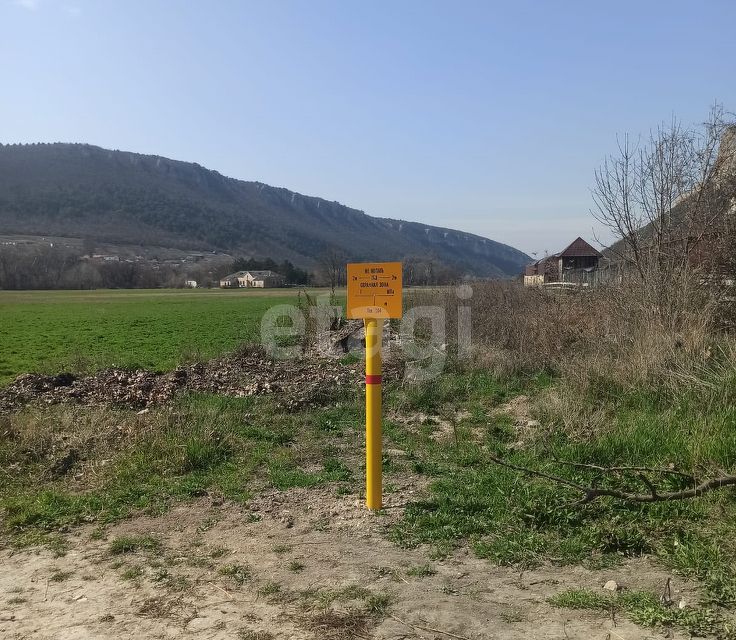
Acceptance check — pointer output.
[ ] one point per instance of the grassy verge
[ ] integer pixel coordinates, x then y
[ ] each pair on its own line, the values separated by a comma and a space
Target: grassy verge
203, 444
446, 432
647, 609
512, 519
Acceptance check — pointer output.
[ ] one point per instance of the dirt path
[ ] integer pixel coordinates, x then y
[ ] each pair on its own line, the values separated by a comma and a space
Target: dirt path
303, 564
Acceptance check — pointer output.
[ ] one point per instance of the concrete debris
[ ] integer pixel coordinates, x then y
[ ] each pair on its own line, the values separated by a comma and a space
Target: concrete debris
612, 585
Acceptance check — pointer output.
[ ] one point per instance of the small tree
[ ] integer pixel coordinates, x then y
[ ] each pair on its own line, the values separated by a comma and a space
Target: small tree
333, 267
666, 199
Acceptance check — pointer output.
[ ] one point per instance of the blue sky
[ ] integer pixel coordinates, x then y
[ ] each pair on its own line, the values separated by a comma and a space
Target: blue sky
489, 117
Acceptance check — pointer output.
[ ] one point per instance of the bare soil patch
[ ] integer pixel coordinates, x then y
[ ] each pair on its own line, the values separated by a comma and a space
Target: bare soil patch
301, 564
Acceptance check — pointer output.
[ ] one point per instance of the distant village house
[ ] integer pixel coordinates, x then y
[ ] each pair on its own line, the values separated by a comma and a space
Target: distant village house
252, 279
576, 264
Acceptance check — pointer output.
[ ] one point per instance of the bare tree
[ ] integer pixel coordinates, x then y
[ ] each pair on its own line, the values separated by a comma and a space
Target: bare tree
664, 195
333, 265
429, 270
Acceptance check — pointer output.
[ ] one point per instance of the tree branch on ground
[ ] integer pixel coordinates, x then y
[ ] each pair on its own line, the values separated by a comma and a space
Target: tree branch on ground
591, 493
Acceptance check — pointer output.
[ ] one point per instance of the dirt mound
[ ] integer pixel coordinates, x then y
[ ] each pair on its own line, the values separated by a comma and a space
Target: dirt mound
299, 383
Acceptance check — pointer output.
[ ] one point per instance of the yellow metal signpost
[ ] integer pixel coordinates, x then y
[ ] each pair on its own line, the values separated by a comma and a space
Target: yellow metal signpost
374, 293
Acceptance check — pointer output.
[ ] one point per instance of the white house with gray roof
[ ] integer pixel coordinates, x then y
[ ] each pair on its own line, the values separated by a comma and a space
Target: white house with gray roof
252, 279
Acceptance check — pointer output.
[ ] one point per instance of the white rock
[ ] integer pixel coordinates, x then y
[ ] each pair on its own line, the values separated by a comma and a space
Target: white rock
611, 585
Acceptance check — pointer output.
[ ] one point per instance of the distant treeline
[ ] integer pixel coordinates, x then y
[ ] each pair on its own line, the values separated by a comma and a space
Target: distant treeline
423, 271
49, 267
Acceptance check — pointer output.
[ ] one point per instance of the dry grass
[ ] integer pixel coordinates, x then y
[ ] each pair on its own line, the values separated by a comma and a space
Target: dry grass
615, 332
600, 344
331, 624
161, 607
71, 427
248, 634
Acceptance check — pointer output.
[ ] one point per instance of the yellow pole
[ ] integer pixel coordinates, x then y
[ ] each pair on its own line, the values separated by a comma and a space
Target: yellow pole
373, 452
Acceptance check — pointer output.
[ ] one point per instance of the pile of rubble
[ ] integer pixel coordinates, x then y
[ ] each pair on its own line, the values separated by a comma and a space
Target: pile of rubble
313, 381
349, 337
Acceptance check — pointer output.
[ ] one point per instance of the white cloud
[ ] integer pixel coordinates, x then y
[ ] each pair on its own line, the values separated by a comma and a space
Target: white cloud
31, 5
72, 10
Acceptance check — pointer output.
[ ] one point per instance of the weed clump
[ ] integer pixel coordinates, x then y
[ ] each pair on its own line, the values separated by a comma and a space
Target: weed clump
239, 573
133, 543
647, 609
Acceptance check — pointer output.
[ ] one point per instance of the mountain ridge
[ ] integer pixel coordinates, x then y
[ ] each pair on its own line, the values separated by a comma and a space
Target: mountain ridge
112, 196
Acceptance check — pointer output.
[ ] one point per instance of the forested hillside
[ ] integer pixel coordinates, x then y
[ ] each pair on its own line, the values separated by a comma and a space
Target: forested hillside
83, 191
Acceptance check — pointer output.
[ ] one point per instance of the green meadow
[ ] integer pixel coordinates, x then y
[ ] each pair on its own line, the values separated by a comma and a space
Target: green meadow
50, 331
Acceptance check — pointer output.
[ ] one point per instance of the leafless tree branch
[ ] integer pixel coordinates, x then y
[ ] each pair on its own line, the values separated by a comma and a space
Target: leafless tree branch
591, 493
664, 196
595, 467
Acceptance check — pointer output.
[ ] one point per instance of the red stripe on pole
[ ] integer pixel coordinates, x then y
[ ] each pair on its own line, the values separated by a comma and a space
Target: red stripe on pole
371, 379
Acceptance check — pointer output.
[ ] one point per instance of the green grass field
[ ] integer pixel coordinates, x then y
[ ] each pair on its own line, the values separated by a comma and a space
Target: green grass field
50, 331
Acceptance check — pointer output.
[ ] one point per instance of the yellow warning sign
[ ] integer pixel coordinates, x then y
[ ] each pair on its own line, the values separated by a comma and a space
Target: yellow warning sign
374, 290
